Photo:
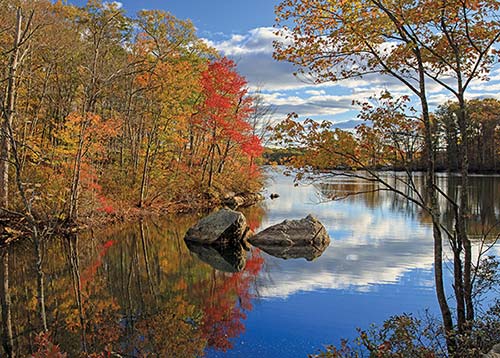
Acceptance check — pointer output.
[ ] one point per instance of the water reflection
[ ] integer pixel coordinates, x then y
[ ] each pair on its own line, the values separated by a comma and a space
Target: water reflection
377, 237
226, 258
138, 290
483, 197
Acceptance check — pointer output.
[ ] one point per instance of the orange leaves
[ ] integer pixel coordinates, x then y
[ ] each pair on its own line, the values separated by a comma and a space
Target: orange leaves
391, 135
123, 101
91, 129
331, 40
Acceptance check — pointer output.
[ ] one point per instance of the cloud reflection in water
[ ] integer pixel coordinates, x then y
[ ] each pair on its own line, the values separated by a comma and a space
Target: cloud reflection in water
371, 245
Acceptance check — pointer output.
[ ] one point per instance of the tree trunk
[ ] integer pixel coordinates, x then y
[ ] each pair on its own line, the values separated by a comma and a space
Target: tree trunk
9, 112
435, 213
75, 182
224, 156
463, 211
142, 193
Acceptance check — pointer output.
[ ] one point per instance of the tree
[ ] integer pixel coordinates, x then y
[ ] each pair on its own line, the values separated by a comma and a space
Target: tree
169, 82
104, 26
413, 42
482, 133
223, 116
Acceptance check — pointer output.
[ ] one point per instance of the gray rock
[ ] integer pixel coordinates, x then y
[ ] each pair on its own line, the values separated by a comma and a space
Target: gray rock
227, 258
305, 238
494, 353
222, 227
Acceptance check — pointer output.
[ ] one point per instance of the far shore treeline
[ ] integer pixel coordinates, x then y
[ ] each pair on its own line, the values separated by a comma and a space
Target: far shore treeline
104, 113
389, 139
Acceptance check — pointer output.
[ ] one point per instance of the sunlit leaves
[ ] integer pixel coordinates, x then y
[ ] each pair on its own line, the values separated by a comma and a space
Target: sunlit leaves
331, 40
109, 106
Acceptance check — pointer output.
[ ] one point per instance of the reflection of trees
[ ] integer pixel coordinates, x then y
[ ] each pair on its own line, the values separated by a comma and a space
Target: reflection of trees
483, 194
6, 303
137, 291
254, 216
228, 300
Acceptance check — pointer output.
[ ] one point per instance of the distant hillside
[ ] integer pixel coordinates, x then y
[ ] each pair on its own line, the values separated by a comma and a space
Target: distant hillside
280, 156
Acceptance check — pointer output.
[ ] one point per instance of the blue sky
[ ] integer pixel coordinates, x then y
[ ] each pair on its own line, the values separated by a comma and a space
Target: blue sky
243, 30
210, 17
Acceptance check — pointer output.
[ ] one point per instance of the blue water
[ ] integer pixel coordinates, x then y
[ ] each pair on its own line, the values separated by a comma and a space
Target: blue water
145, 293
378, 264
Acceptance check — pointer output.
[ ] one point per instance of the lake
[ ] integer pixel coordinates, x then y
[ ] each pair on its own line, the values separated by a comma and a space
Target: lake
138, 290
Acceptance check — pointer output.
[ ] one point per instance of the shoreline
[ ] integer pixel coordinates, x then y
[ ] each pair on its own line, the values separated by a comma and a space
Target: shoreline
13, 230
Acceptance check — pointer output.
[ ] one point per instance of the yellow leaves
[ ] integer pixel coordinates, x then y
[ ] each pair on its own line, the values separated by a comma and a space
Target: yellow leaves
91, 129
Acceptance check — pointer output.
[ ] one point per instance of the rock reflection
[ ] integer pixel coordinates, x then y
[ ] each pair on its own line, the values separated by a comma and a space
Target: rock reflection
226, 258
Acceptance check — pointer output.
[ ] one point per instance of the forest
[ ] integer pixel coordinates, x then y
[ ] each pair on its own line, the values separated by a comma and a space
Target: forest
105, 115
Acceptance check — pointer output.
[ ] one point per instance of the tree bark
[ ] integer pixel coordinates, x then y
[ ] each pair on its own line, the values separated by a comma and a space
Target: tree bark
9, 112
142, 193
434, 211
461, 224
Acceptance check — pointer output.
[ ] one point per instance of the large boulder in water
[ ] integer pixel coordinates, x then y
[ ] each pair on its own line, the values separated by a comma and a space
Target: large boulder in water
227, 258
305, 238
222, 227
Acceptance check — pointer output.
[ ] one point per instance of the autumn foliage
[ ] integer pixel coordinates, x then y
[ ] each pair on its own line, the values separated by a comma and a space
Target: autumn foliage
114, 113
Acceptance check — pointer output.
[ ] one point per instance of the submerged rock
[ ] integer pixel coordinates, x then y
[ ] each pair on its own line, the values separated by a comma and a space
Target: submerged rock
222, 227
305, 238
274, 196
227, 258
242, 200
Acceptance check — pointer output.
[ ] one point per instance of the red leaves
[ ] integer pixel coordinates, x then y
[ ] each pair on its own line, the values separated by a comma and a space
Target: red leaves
224, 113
105, 207
225, 104
47, 349
225, 309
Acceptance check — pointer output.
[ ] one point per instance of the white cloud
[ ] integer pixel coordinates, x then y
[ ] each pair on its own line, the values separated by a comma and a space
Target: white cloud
316, 92
309, 105
253, 53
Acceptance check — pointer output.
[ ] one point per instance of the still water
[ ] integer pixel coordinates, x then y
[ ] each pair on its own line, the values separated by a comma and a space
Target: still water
137, 289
